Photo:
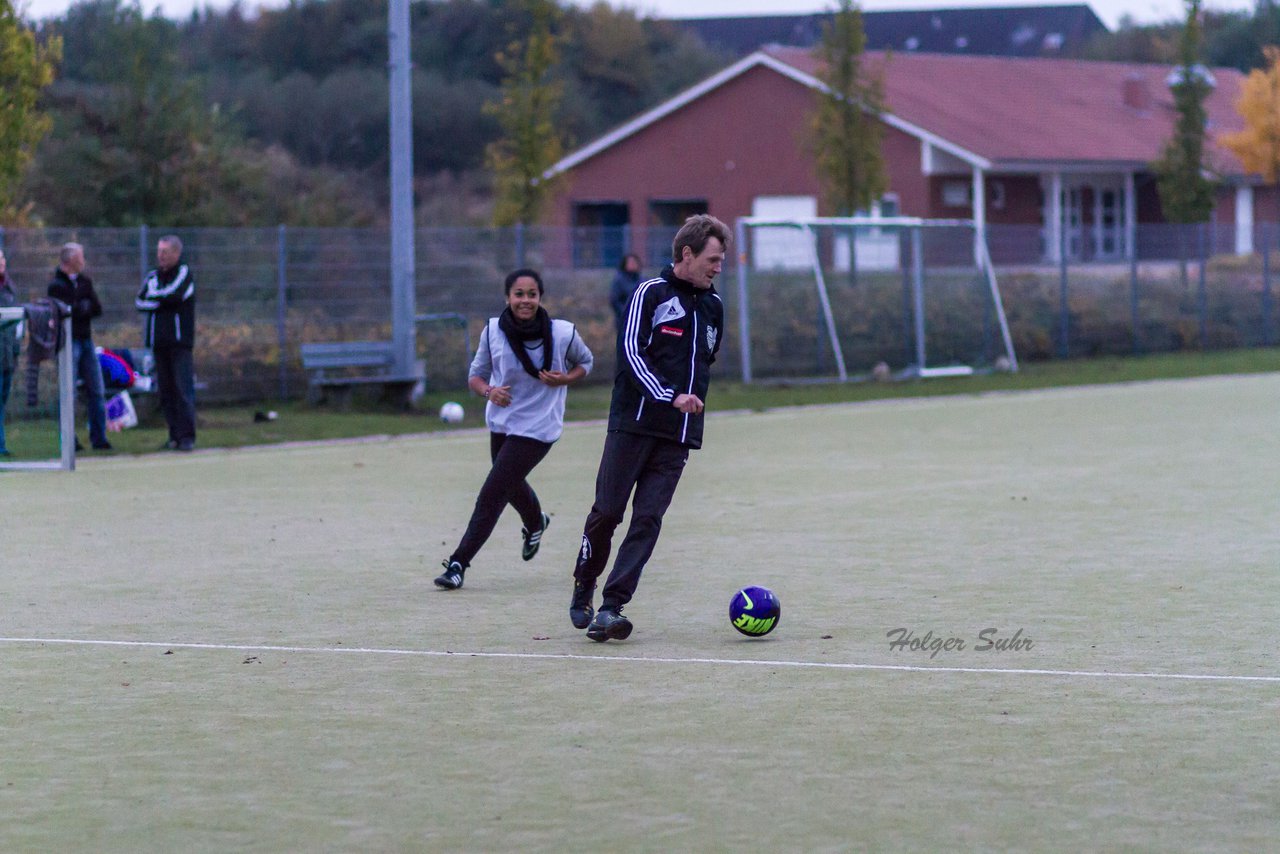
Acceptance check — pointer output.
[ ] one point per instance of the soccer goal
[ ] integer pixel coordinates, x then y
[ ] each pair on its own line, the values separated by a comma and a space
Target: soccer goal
852, 298
40, 414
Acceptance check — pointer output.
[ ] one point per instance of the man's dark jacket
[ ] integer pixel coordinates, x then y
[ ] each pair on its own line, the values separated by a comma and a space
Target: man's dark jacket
82, 298
168, 299
672, 334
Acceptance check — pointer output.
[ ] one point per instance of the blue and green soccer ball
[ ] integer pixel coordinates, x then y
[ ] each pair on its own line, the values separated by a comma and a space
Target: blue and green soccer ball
755, 611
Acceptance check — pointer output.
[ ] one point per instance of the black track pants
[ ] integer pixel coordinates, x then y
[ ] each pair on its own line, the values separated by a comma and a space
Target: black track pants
176, 382
650, 466
513, 458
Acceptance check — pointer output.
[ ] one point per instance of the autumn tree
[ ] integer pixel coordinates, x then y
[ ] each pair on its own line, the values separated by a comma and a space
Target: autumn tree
527, 112
1258, 145
846, 126
26, 68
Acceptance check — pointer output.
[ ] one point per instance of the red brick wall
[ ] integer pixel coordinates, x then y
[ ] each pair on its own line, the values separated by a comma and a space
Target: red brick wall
1024, 204
739, 141
745, 139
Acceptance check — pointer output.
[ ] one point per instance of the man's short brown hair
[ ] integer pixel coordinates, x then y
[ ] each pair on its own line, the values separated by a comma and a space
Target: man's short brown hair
695, 233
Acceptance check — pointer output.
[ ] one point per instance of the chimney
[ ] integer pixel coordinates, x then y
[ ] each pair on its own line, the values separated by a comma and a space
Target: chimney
1134, 93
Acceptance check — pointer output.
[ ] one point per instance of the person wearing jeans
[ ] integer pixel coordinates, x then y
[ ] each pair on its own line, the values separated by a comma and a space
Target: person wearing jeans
72, 286
8, 346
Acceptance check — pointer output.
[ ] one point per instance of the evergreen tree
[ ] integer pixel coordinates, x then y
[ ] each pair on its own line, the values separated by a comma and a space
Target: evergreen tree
527, 114
846, 128
1186, 195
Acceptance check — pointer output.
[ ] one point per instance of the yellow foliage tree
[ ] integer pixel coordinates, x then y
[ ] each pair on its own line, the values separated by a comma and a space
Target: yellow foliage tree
26, 68
1258, 145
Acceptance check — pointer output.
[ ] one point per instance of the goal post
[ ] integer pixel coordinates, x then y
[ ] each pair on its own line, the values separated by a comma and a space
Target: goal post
47, 430
848, 298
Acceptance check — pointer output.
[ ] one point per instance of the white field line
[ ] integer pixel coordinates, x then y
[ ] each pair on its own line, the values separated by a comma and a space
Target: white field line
730, 662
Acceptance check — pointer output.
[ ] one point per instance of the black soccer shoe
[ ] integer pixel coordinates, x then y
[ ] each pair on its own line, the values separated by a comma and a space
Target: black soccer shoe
609, 624
533, 540
580, 610
451, 578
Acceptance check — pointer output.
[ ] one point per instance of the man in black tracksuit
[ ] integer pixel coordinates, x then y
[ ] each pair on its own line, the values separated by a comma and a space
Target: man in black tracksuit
168, 301
673, 330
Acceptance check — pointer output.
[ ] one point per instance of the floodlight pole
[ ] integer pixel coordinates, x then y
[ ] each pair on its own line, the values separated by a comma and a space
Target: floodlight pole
402, 249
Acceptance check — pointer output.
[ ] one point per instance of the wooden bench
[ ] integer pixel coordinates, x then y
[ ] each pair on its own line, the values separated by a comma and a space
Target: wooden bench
338, 366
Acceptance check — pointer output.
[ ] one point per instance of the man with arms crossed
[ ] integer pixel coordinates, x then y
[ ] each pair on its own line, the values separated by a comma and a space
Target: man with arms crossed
671, 336
167, 300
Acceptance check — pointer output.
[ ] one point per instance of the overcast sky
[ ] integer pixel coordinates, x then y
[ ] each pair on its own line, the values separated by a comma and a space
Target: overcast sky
1110, 11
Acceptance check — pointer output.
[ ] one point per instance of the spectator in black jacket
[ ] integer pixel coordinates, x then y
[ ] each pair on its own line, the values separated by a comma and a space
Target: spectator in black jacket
624, 284
168, 299
673, 330
71, 286
8, 345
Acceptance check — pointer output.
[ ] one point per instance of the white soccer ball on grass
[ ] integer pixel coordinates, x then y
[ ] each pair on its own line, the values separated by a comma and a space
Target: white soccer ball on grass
452, 413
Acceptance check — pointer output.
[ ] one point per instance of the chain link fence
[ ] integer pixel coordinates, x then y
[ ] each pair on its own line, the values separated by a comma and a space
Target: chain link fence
264, 292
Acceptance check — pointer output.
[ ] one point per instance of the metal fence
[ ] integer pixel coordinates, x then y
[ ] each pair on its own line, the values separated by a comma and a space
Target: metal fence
264, 292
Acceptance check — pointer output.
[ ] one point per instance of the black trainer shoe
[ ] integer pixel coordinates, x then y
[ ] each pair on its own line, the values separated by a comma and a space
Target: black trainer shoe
580, 610
451, 578
532, 541
609, 624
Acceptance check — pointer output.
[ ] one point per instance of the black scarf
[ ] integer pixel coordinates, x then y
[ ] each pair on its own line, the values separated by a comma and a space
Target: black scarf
166, 277
518, 332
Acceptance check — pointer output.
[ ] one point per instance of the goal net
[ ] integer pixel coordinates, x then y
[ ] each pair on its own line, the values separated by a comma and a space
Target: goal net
836, 298
39, 416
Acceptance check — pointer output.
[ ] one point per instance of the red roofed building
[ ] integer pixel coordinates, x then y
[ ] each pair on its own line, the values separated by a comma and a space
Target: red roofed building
1061, 147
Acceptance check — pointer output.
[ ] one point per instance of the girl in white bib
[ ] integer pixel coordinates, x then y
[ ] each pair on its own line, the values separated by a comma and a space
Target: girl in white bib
523, 367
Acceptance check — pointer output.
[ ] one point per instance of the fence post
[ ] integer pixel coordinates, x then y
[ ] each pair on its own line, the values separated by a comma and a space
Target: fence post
744, 317
282, 297
1268, 335
1064, 348
908, 263
1202, 296
1134, 320
142, 252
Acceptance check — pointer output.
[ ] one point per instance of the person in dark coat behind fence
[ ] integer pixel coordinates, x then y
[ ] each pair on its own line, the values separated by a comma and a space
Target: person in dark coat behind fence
71, 286
168, 301
8, 346
624, 284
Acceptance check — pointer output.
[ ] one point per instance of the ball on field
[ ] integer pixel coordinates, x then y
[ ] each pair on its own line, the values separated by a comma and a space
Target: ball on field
755, 611
451, 413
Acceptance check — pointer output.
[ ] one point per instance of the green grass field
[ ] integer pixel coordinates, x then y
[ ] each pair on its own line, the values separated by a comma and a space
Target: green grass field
243, 650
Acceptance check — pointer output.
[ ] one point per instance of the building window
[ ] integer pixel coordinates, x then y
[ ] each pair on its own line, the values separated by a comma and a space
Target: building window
675, 211
955, 194
665, 218
600, 233
782, 248
996, 195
